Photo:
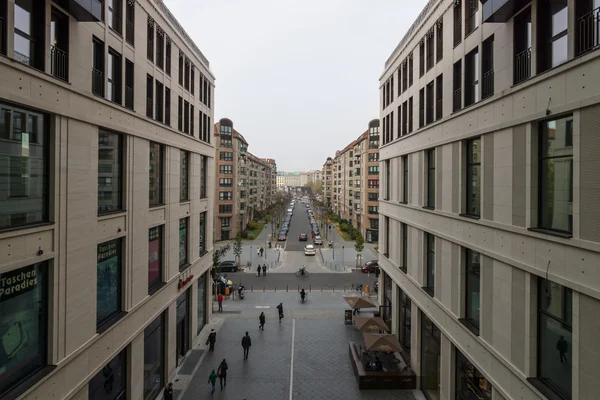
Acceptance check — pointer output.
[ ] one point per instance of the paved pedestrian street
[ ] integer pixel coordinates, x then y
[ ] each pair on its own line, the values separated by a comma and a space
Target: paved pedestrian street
303, 357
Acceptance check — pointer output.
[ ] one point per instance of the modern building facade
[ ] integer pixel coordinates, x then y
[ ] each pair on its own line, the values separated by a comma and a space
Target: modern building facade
244, 182
327, 176
355, 183
489, 234
105, 206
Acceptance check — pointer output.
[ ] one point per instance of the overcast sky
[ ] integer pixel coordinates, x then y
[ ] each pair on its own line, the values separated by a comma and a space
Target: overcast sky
298, 78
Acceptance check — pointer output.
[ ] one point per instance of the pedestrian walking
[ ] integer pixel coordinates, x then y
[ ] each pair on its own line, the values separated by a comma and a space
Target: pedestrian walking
246, 343
280, 311
264, 269
222, 372
262, 320
212, 338
212, 379
258, 270
258, 252
220, 301
262, 251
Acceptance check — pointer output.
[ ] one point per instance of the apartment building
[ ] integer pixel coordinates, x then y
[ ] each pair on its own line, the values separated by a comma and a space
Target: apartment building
291, 179
356, 183
105, 218
488, 208
244, 182
327, 177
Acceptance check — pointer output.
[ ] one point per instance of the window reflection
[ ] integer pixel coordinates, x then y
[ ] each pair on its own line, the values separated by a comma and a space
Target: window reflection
109, 172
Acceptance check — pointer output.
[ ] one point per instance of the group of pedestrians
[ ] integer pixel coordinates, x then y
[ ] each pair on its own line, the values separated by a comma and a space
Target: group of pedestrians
221, 371
264, 269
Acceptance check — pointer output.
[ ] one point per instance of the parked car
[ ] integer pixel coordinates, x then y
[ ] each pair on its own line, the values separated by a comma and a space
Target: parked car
309, 250
220, 280
318, 240
370, 266
282, 236
228, 266
303, 237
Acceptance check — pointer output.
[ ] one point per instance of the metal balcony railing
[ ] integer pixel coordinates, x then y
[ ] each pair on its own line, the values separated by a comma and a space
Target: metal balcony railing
129, 31
522, 66
588, 31
487, 84
129, 97
457, 100
438, 109
149, 107
59, 63
457, 31
97, 82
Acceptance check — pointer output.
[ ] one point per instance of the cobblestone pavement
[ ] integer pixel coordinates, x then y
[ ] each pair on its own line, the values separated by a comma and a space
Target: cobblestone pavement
319, 339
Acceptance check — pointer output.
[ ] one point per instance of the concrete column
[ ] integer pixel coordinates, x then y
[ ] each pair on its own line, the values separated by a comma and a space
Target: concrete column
487, 178
531, 324
447, 369
135, 360
395, 307
415, 339
170, 362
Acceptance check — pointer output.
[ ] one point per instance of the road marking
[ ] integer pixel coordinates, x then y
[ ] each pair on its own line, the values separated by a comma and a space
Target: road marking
263, 306
292, 360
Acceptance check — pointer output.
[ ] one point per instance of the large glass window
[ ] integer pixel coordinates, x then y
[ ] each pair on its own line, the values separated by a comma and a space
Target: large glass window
473, 177
203, 168
470, 384
111, 381
184, 172
156, 174
155, 255
202, 234
108, 274
201, 313
404, 325
556, 175
29, 36
473, 287
24, 167
154, 350
553, 22
555, 327
430, 263
23, 325
110, 172
431, 178
405, 179
430, 358
404, 230
183, 243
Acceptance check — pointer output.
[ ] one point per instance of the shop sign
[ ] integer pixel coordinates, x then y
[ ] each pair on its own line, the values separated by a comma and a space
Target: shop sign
183, 282
17, 282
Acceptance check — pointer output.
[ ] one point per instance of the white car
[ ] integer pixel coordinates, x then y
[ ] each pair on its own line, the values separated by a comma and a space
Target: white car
309, 250
318, 240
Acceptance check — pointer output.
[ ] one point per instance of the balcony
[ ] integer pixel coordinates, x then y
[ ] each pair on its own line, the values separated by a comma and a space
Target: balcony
487, 87
501, 10
83, 10
59, 63
588, 31
522, 66
97, 82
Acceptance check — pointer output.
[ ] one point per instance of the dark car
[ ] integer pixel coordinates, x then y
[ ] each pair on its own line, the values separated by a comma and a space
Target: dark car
282, 236
370, 266
303, 237
220, 280
228, 266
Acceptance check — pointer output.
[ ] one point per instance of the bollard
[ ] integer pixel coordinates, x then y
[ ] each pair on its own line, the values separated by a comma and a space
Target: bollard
333, 288
263, 288
310, 288
286, 288
298, 287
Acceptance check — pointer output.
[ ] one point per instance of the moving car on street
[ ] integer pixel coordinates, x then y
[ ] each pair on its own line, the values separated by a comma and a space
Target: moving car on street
318, 240
309, 250
370, 266
303, 237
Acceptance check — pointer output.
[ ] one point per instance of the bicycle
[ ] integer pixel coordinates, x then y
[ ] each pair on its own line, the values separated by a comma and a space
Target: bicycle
302, 272
357, 287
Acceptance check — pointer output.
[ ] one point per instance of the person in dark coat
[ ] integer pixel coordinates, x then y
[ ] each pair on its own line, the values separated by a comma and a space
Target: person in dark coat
212, 379
222, 372
262, 320
246, 343
264, 269
280, 311
212, 338
258, 269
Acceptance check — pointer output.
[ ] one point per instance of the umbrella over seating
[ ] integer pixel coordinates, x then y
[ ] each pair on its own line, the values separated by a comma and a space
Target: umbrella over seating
365, 324
381, 342
359, 302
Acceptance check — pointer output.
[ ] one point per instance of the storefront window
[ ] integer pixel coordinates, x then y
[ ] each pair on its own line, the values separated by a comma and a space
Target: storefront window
111, 381
23, 166
153, 358
430, 358
108, 297
23, 323
404, 327
154, 257
387, 299
201, 302
183, 326
110, 172
183, 243
470, 384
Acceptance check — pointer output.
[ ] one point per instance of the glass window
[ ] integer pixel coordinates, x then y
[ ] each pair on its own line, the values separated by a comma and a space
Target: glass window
111, 381
110, 172
109, 265
473, 177
556, 175
405, 322
405, 179
203, 166
155, 244
473, 287
470, 384
202, 234
555, 327
23, 326
154, 350
430, 266
184, 176
183, 242
430, 358
431, 178
404, 265
24, 40
24, 167
201, 320
156, 174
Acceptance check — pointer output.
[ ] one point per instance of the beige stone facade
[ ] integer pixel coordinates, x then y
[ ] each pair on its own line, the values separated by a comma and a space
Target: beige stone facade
489, 221
244, 182
85, 135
